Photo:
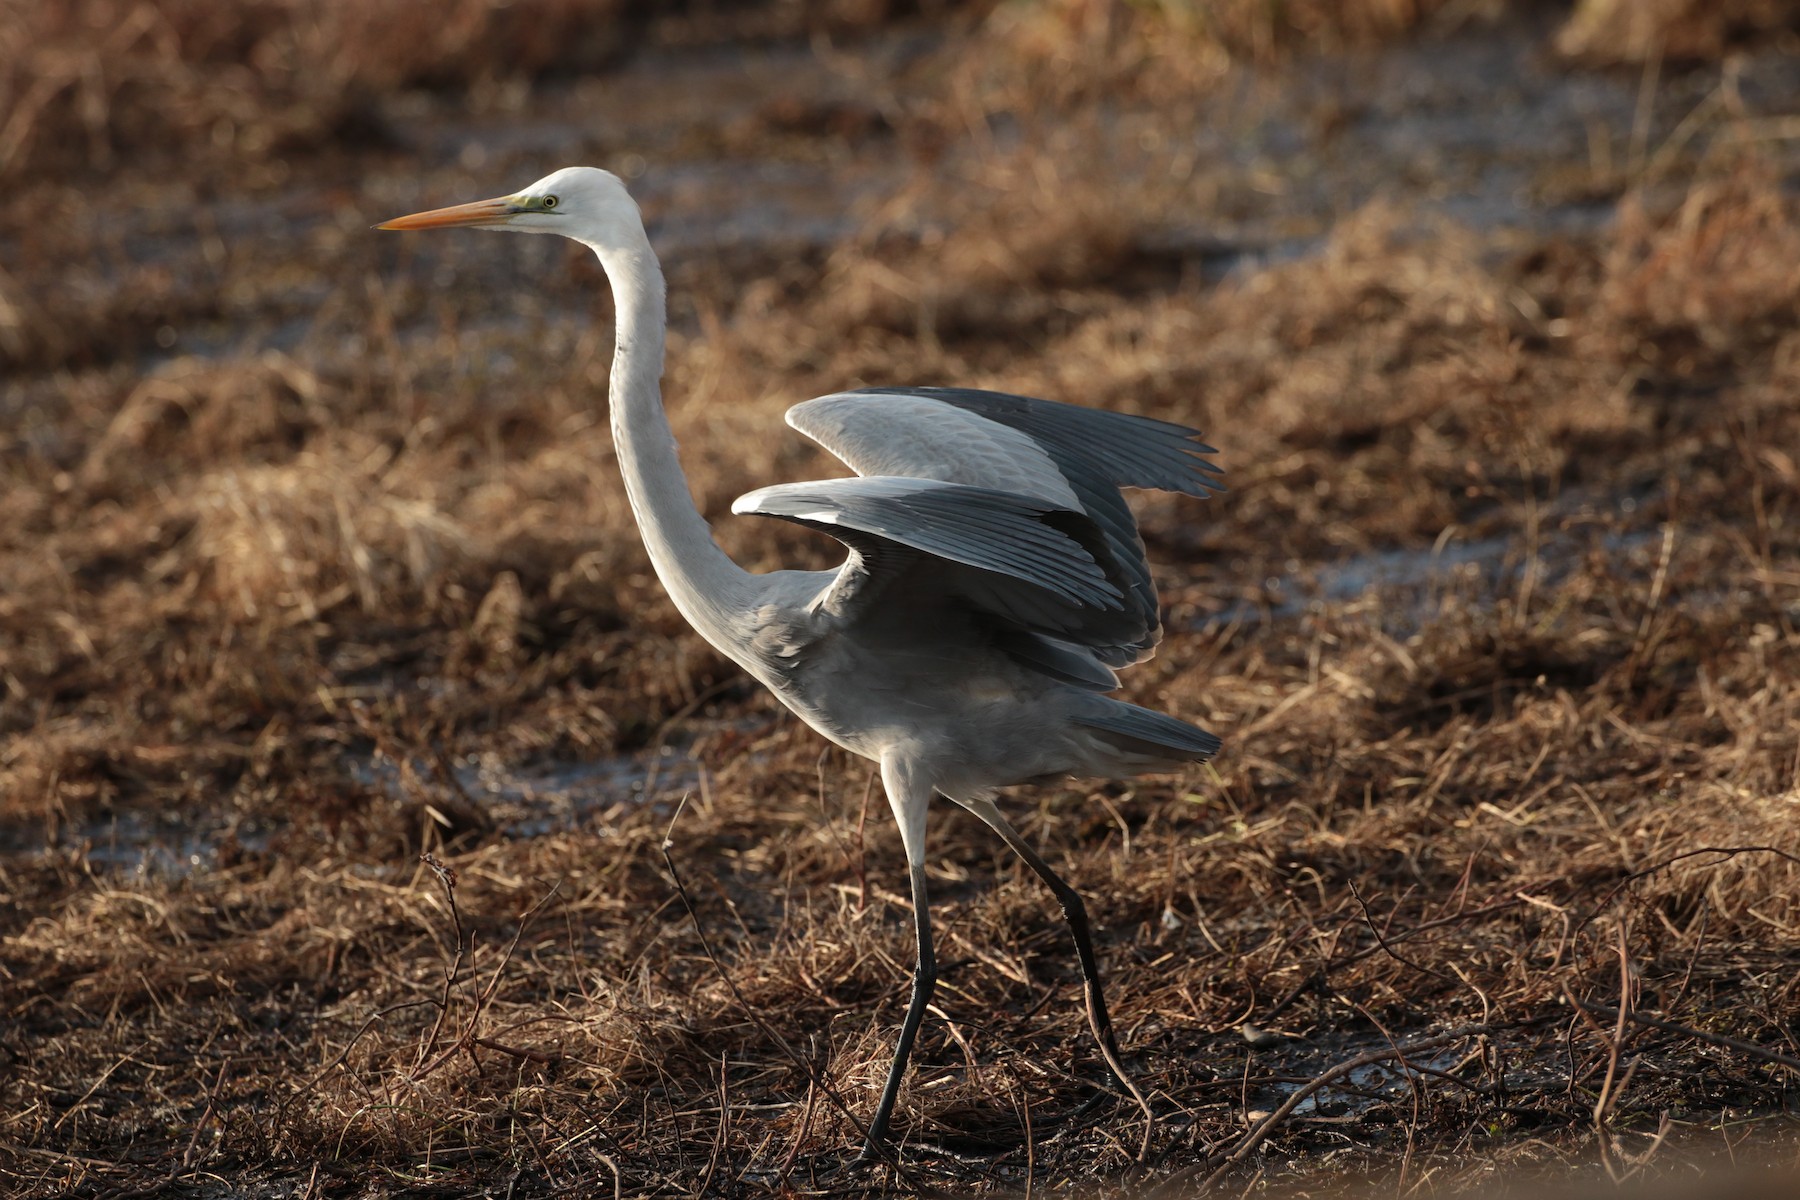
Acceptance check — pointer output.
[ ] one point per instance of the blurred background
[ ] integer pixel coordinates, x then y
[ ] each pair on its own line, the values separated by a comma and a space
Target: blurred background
313, 559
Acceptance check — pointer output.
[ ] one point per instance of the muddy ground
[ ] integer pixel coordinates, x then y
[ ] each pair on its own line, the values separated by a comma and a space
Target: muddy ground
313, 561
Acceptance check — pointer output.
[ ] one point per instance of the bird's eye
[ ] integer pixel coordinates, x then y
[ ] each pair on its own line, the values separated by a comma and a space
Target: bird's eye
549, 201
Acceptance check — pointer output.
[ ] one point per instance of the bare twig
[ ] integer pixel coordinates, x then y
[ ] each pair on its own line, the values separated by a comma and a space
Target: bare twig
1760, 1053
468, 1039
536, 1056
1643, 643
763, 1026
446, 877
344, 1054
1726, 853
1319, 977
1383, 944
1267, 1126
724, 1130
806, 1118
1030, 1141
1412, 1083
212, 1106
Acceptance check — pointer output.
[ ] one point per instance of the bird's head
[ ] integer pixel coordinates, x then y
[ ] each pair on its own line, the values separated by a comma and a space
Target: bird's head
584, 203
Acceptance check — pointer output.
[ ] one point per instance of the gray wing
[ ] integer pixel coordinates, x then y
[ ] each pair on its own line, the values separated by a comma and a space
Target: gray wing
1034, 574
1077, 458
998, 532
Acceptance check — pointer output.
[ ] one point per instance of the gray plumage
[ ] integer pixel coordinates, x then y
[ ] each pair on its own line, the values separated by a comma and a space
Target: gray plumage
1075, 458
995, 578
1002, 533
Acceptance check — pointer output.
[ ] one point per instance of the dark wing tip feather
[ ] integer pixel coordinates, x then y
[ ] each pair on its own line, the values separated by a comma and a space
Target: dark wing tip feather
978, 527
1126, 449
1147, 731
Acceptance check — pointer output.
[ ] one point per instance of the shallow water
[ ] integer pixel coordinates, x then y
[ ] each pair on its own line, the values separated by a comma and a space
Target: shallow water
534, 799
1406, 588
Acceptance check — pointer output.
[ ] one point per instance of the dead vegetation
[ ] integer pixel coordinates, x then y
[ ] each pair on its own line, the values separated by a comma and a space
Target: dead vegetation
1499, 622
1615, 32
88, 83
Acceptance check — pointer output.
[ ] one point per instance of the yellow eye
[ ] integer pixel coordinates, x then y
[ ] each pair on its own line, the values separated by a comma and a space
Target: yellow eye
549, 202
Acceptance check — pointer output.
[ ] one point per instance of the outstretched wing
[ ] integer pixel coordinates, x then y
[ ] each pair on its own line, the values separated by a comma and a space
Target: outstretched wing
944, 433
1036, 574
994, 531
1076, 458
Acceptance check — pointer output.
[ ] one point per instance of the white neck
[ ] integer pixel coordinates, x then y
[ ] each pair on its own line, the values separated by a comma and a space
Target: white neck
705, 584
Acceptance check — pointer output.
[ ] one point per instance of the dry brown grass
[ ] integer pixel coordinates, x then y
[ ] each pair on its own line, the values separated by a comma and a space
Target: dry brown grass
289, 609
1065, 52
88, 84
1615, 32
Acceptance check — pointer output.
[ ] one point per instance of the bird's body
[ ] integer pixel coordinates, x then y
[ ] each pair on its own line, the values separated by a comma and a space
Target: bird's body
982, 671
995, 577
968, 717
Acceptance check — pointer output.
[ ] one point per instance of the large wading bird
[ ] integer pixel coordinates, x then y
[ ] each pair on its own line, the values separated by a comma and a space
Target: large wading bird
995, 577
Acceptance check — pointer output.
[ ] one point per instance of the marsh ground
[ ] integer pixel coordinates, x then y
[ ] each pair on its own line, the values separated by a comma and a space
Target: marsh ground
313, 561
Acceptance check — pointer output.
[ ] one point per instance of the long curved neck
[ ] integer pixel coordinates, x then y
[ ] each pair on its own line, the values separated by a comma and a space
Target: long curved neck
705, 584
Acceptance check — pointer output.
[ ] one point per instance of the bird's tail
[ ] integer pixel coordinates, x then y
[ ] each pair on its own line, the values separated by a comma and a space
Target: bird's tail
1142, 739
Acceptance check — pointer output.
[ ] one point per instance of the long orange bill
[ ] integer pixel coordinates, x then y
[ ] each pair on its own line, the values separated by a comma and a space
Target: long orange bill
481, 212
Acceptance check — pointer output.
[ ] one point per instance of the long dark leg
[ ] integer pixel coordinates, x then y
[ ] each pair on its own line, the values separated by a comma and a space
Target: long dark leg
924, 982
909, 797
1075, 913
